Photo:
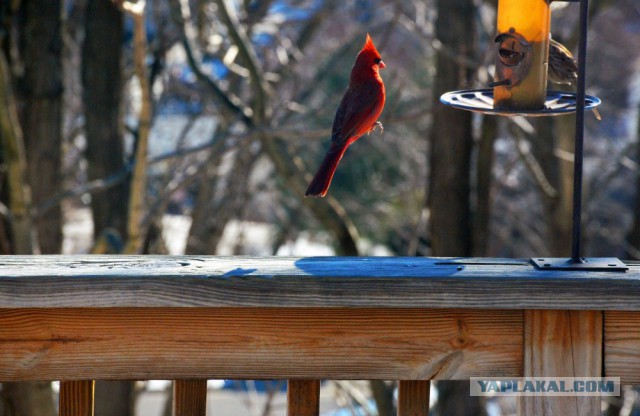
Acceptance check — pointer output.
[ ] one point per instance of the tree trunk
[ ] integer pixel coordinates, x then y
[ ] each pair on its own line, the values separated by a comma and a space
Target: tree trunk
226, 198
114, 398
102, 94
484, 175
383, 395
15, 164
633, 236
451, 135
34, 398
454, 400
450, 158
560, 230
41, 89
554, 152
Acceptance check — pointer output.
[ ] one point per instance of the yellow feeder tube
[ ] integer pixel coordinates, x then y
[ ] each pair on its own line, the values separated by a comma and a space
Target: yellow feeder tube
530, 19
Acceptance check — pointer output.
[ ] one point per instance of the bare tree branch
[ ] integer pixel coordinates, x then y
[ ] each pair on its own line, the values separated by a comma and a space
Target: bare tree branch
13, 153
523, 146
139, 179
240, 38
181, 15
93, 186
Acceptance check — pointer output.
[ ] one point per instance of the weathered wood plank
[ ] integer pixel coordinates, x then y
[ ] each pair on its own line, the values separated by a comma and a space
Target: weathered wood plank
622, 346
189, 397
76, 398
165, 281
562, 344
303, 397
413, 397
258, 343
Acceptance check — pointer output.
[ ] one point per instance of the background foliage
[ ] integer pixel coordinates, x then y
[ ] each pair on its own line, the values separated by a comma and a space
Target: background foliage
177, 126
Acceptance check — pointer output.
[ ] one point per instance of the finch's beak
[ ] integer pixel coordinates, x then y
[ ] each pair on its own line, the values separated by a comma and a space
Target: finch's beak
382, 65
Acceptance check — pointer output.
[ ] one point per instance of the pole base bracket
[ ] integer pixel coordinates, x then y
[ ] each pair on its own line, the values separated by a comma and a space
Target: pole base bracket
583, 264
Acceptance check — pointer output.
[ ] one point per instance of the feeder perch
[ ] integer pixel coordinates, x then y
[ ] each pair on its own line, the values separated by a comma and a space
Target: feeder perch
520, 88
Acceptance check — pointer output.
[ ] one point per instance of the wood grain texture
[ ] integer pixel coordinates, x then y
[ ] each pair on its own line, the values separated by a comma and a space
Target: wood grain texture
395, 282
622, 346
189, 397
562, 344
413, 397
76, 398
303, 397
258, 343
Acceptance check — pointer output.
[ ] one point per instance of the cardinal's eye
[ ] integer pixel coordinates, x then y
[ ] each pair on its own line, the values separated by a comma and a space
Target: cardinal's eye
377, 60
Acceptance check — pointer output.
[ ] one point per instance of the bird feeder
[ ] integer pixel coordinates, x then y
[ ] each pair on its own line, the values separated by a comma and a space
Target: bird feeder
522, 47
521, 61
520, 88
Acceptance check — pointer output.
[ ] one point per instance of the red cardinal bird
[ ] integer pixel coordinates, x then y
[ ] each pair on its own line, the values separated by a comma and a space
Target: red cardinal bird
358, 114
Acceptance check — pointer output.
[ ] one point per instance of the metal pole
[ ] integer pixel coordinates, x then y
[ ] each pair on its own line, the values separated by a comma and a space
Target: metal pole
579, 148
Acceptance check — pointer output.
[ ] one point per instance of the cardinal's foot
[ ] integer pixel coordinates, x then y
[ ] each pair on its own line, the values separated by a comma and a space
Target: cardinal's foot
376, 126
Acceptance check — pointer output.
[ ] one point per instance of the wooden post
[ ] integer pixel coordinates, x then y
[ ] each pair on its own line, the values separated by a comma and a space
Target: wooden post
413, 397
562, 343
76, 398
622, 345
189, 397
303, 398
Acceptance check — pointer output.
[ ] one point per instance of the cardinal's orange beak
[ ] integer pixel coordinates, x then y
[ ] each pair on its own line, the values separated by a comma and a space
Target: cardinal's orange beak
382, 65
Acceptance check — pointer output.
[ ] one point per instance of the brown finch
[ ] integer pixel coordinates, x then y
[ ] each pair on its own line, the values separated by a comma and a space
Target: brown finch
562, 67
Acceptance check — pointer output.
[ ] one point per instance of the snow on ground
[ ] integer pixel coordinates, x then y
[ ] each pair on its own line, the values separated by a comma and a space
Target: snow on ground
77, 231
256, 238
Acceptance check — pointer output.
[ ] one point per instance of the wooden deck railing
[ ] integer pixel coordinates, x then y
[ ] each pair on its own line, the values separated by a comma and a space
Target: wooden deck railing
83, 318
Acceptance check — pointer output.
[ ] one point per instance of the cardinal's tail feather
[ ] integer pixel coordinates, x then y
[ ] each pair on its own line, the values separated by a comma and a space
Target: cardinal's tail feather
322, 179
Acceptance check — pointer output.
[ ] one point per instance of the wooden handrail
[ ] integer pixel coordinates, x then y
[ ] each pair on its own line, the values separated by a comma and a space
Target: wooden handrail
325, 282
74, 318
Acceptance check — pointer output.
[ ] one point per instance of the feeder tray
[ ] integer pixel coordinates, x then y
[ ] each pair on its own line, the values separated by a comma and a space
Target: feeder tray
481, 101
